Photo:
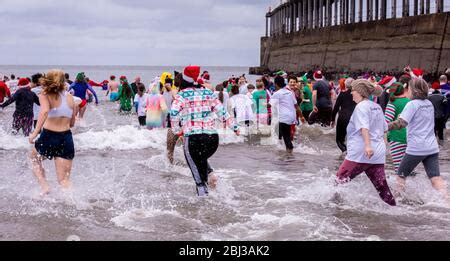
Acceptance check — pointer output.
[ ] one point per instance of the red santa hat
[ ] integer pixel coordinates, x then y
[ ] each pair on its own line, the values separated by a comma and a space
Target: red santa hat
387, 81
417, 73
436, 86
318, 75
23, 82
191, 74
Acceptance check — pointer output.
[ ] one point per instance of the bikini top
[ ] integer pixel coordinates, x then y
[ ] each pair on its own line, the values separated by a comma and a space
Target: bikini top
63, 111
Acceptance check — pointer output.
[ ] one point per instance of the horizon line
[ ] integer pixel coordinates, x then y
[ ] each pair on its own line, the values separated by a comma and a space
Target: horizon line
116, 65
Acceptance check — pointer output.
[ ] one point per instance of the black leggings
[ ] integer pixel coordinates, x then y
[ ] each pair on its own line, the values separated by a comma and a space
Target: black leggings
285, 133
341, 132
306, 114
323, 116
439, 127
197, 150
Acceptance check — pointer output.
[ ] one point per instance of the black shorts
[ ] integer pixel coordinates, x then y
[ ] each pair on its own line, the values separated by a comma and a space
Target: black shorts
142, 120
56, 145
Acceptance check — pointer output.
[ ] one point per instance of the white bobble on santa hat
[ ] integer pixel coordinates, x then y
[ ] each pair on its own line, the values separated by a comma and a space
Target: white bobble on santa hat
191, 74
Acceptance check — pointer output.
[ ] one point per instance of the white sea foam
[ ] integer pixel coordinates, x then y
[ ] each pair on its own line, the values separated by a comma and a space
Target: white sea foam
13, 142
121, 138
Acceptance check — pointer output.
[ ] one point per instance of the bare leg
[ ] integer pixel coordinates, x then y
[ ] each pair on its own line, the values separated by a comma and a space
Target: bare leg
213, 180
431, 164
400, 187
39, 172
82, 111
440, 185
171, 143
63, 169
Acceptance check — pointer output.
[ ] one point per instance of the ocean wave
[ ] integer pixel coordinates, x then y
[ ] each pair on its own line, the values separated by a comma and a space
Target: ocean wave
119, 139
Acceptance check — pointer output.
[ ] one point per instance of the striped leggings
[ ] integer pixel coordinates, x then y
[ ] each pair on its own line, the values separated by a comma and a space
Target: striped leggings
398, 151
197, 150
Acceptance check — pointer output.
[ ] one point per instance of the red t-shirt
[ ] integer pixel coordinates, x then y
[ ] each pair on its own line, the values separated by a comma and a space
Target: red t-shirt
4, 91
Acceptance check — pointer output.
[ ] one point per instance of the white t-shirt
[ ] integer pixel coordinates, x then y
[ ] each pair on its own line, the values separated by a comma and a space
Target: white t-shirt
226, 98
419, 114
243, 107
367, 115
141, 104
243, 89
283, 101
12, 85
36, 108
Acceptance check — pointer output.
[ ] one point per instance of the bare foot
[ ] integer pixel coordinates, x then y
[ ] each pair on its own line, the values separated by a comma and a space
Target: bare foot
213, 180
45, 192
66, 184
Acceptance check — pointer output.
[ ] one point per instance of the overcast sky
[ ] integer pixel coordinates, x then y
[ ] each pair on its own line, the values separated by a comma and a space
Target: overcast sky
132, 32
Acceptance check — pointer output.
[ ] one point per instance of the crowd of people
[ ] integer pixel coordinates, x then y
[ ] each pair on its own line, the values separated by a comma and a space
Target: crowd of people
373, 115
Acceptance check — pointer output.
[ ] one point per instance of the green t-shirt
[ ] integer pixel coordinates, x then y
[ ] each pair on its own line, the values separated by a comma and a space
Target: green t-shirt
260, 101
398, 135
307, 106
230, 86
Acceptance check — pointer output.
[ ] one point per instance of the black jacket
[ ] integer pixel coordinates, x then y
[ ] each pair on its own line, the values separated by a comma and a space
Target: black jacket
24, 99
440, 104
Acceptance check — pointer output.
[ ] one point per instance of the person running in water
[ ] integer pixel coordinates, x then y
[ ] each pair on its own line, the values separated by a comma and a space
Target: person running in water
80, 88
307, 104
126, 95
57, 116
23, 115
156, 107
193, 107
113, 88
345, 107
241, 107
288, 111
260, 102
396, 138
322, 101
418, 118
140, 100
366, 147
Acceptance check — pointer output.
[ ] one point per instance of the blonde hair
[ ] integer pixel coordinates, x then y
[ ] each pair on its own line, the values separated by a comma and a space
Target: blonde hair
366, 88
419, 89
54, 82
